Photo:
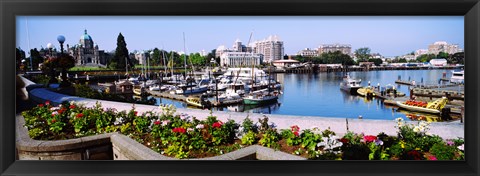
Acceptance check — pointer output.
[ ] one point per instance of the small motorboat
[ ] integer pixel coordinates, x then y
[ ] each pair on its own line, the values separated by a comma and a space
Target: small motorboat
196, 101
434, 107
366, 92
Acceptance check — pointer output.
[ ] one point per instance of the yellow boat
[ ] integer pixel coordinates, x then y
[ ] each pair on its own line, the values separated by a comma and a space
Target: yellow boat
194, 101
366, 92
434, 107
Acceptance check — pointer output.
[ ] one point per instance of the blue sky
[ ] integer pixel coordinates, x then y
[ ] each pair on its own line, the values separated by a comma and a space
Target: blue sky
389, 36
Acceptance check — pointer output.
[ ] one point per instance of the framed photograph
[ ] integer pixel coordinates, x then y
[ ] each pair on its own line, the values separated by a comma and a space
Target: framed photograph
312, 88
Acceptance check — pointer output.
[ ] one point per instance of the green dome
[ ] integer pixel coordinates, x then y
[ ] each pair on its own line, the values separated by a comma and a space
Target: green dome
85, 36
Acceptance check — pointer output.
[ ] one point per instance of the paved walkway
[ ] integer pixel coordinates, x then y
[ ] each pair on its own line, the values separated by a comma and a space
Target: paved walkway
447, 130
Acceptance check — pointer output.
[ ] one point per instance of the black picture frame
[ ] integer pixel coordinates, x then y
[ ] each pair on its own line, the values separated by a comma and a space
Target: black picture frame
470, 9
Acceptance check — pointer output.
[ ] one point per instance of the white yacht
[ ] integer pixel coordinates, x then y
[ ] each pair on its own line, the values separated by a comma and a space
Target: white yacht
350, 85
458, 77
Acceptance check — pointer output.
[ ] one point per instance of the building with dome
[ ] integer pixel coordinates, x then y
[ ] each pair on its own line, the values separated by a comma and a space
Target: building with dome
86, 52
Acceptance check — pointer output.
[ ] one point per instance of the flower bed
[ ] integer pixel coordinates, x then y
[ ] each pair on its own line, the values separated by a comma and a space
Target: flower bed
183, 136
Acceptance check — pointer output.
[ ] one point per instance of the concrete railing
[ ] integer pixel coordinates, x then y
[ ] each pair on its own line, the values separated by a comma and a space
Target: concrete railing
125, 148
84, 148
114, 146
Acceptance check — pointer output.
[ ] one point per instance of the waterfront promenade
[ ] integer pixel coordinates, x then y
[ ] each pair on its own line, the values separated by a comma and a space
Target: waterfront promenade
446, 130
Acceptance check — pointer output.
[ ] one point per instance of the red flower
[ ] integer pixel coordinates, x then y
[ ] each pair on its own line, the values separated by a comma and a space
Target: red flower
61, 110
135, 112
53, 120
344, 140
72, 107
179, 130
217, 124
47, 102
295, 133
369, 138
295, 128
156, 122
80, 115
40, 105
415, 155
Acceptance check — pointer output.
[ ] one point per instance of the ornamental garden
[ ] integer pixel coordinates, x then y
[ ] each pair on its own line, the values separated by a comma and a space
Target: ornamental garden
185, 137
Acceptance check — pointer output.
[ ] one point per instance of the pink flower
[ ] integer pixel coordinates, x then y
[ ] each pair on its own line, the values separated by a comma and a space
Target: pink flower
156, 122
432, 157
47, 102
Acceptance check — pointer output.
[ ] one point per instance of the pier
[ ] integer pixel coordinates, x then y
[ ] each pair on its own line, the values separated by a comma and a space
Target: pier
168, 95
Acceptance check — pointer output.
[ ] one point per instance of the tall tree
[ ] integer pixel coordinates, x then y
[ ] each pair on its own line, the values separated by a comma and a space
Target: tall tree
155, 58
121, 52
19, 56
36, 57
362, 54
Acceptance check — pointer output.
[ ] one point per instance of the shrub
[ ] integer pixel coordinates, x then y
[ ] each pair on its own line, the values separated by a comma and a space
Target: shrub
442, 151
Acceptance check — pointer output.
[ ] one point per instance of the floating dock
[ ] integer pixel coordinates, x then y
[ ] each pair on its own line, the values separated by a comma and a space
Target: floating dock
167, 95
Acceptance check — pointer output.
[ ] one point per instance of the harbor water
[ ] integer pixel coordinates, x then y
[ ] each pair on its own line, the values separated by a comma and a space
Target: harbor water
318, 94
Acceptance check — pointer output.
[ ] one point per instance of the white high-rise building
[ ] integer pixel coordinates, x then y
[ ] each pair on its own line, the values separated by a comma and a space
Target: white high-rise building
271, 48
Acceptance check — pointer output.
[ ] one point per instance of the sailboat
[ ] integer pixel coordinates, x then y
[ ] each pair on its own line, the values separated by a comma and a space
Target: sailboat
260, 97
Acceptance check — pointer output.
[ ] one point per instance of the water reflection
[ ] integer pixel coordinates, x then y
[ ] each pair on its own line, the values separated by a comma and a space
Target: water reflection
320, 95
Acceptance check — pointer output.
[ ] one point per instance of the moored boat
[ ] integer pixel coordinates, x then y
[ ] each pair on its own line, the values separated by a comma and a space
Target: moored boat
350, 85
366, 92
196, 101
434, 107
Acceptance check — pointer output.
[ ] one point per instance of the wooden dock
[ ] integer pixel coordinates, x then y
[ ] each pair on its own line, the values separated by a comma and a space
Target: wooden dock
404, 82
167, 95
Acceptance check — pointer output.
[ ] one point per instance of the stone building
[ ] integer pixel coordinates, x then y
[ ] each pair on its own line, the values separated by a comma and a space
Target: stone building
86, 53
442, 46
326, 48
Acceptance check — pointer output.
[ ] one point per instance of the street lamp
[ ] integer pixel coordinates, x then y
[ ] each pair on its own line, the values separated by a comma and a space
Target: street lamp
61, 39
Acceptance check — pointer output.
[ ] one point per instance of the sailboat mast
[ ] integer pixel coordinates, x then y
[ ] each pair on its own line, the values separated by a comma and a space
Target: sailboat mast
184, 55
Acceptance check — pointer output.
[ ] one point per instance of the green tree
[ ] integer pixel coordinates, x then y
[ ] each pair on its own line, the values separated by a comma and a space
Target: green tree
425, 57
457, 58
36, 57
19, 56
377, 62
336, 57
442, 55
121, 52
155, 59
362, 54
197, 59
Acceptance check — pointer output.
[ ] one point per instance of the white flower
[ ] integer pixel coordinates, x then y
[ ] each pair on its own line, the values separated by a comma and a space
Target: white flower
461, 147
199, 126
416, 129
54, 113
165, 122
189, 130
54, 108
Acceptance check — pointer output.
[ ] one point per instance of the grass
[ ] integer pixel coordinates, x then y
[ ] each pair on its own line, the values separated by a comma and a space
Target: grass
87, 68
